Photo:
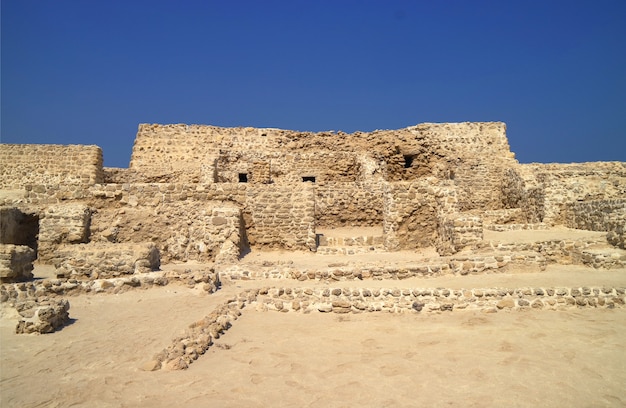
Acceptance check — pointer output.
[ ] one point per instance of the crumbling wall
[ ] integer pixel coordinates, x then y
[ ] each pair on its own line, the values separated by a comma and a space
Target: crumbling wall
62, 224
182, 230
99, 260
16, 262
410, 214
22, 164
544, 191
473, 155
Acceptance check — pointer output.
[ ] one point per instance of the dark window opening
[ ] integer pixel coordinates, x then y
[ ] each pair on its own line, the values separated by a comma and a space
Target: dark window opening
263, 134
408, 161
310, 178
243, 177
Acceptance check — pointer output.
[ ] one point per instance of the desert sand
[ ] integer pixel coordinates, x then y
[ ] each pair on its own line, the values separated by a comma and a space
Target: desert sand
574, 357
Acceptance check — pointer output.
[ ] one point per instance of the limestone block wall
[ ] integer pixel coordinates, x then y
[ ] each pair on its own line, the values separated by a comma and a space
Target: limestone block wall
522, 189
544, 191
349, 204
16, 262
62, 224
180, 218
22, 164
473, 155
410, 215
287, 167
597, 215
182, 231
281, 216
105, 260
457, 232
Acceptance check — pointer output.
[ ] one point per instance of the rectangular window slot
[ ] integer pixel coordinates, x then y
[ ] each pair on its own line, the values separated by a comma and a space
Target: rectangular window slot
309, 178
243, 177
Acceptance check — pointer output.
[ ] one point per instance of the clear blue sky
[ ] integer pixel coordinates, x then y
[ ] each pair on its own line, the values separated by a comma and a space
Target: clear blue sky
89, 72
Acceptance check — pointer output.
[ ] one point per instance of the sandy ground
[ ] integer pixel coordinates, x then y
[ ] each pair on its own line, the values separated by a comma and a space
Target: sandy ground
574, 358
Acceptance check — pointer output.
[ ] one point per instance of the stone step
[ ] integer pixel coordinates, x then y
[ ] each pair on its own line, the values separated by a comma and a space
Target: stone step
338, 241
516, 227
349, 250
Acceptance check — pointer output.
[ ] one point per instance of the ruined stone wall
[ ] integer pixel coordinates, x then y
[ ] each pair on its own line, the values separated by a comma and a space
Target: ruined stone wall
349, 204
62, 224
22, 164
16, 262
410, 215
544, 191
181, 218
597, 215
183, 231
473, 155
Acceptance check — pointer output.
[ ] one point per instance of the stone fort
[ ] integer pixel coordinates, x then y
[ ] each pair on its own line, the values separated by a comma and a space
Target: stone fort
206, 194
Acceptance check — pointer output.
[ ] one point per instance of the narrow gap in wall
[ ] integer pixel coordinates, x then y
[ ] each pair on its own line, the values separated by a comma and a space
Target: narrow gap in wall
308, 178
408, 161
243, 177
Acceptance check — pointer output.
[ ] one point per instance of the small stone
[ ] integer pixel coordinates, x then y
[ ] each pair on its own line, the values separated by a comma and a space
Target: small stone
151, 365
506, 303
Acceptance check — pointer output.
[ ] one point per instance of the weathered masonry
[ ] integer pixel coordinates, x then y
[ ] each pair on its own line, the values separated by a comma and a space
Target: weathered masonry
206, 193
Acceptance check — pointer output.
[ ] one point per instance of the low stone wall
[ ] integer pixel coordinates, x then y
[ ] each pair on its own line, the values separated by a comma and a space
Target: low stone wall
12, 293
598, 215
42, 315
555, 251
414, 300
197, 339
46, 164
457, 232
461, 265
199, 336
16, 262
100, 260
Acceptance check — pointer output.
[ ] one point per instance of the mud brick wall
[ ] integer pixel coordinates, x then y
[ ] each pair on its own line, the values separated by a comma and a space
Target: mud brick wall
597, 215
22, 164
349, 204
410, 215
281, 216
